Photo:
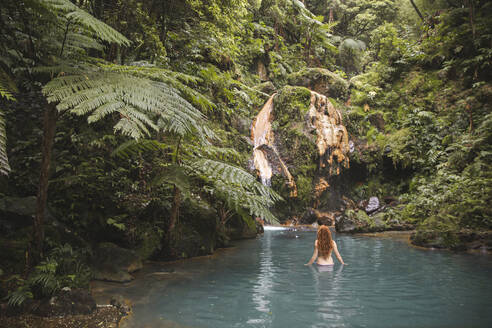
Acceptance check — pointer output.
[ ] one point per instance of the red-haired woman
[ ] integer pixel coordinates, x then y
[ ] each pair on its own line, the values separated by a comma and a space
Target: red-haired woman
323, 246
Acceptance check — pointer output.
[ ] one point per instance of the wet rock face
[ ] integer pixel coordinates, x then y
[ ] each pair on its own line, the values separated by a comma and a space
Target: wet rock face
114, 263
321, 81
299, 142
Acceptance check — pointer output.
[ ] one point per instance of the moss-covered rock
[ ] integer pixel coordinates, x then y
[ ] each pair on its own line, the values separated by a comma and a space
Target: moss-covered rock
296, 146
113, 263
357, 221
455, 240
241, 227
320, 80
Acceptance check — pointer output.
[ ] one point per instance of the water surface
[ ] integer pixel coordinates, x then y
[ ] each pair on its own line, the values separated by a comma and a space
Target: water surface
263, 283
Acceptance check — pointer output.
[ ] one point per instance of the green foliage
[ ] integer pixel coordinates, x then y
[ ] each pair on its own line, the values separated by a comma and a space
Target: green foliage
235, 187
19, 296
63, 267
139, 103
75, 15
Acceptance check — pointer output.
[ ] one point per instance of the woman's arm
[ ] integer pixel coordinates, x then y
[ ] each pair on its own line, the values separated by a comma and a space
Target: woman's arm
337, 254
315, 254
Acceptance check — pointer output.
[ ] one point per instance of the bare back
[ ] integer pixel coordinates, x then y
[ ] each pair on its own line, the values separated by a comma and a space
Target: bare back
325, 260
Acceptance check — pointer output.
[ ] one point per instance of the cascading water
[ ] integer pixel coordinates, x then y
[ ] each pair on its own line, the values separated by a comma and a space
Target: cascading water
332, 137
263, 141
262, 135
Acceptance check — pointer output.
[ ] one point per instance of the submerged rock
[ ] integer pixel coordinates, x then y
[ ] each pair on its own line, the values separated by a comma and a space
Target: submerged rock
114, 263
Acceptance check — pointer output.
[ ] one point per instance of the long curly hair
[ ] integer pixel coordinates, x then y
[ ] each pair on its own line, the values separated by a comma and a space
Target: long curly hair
325, 241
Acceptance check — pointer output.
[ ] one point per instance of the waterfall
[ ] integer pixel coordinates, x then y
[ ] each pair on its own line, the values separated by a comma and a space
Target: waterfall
331, 142
262, 135
331, 135
263, 142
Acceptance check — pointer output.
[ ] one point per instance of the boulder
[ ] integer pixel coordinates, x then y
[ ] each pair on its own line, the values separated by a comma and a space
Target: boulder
242, 227
320, 80
455, 240
18, 212
313, 215
352, 221
113, 263
67, 301
372, 205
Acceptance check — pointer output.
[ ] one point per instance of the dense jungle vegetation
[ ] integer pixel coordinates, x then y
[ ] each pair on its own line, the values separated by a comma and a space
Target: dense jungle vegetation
128, 121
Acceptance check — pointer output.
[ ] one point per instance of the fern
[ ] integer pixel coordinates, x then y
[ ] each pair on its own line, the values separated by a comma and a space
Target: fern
236, 187
142, 105
134, 147
19, 296
78, 16
177, 80
6, 87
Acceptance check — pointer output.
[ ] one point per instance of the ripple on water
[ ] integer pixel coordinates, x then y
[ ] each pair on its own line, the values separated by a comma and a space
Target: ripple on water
263, 283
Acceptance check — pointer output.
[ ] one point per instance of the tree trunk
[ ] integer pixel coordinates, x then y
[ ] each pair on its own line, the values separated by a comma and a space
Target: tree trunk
175, 210
49, 126
417, 10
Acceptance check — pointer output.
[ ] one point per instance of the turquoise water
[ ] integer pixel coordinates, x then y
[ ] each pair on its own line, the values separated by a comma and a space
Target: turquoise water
263, 283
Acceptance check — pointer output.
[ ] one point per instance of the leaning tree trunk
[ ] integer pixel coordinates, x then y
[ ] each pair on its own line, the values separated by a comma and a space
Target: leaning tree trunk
417, 10
49, 125
175, 210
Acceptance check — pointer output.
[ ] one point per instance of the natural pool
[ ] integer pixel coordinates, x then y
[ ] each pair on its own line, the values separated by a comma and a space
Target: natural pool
263, 283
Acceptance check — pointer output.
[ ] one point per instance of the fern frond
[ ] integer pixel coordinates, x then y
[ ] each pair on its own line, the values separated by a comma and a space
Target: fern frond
236, 187
177, 176
89, 22
4, 162
128, 128
139, 102
133, 147
177, 80
213, 152
6, 88
19, 296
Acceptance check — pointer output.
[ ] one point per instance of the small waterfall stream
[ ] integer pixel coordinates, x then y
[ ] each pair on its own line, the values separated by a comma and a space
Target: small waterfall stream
262, 135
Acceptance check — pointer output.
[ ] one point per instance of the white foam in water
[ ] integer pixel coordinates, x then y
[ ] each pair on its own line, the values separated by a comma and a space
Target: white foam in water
275, 228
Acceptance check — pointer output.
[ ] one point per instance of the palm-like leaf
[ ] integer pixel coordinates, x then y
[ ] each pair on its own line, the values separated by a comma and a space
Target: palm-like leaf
78, 16
139, 103
236, 187
6, 87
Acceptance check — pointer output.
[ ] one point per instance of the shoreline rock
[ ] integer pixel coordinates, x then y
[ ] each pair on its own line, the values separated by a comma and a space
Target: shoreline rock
454, 240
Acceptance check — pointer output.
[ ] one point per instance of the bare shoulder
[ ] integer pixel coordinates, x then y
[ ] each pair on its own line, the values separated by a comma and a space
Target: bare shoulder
316, 243
334, 243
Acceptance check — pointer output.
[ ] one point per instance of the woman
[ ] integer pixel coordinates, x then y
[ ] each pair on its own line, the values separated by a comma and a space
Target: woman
323, 246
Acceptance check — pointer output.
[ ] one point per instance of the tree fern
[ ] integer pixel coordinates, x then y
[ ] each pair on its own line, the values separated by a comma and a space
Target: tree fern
78, 16
141, 105
236, 187
177, 80
133, 147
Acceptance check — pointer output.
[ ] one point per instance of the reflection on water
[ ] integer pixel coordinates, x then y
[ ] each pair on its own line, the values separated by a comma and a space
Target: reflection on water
263, 283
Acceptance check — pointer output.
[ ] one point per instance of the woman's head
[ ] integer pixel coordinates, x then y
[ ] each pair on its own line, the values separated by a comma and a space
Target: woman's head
325, 242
